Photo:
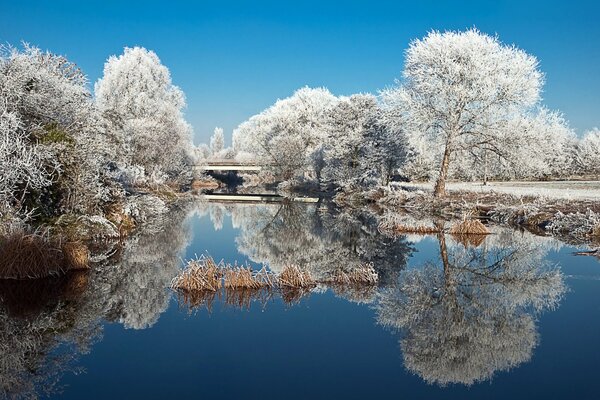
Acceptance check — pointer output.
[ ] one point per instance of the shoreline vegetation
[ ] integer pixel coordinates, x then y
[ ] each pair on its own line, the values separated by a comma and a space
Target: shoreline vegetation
203, 280
82, 167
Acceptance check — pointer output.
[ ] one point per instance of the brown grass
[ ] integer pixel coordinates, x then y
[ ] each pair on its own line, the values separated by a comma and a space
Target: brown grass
362, 275
419, 229
203, 280
77, 255
296, 277
29, 256
469, 227
199, 275
246, 278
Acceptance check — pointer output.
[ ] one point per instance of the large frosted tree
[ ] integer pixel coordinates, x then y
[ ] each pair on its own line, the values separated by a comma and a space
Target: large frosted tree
288, 134
52, 148
460, 89
145, 112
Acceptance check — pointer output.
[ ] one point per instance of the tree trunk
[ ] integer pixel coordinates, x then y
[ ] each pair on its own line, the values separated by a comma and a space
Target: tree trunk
440, 185
485, 167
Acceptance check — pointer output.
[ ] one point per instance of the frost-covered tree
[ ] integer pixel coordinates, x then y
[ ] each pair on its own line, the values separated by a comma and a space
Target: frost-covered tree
217, 141
460, 89
51, 133
544, 147
287, 134
21, 167
588, 153
145, 111
347, 151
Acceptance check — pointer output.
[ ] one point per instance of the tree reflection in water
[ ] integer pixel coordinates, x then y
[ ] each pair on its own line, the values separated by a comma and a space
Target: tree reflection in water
460, 321
473, 314
47, 323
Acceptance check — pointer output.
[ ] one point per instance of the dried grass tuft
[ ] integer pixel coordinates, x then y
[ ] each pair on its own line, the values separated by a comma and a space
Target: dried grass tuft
246, 278
362, 275
201, 274
31, 256
77, 255
419, 229
296, 277
203, 280
469, 227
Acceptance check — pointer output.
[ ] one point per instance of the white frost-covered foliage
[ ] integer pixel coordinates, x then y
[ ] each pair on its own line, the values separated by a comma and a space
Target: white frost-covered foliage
346, 155
54, 149
534, 145
459, 92
217, 141
144, 109
359, 148
289, 133
588, 153
20, 164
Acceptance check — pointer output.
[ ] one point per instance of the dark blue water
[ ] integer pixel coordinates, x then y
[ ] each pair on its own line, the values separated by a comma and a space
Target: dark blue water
327, 346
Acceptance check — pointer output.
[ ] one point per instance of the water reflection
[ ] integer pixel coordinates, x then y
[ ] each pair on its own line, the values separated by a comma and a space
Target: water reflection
472, 314
46, 324
460, 319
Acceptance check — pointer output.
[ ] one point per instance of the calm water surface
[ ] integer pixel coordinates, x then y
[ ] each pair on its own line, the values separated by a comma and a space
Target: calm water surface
509, 317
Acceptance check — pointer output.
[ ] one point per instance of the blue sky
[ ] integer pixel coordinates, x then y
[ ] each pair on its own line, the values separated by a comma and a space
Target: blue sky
233, 59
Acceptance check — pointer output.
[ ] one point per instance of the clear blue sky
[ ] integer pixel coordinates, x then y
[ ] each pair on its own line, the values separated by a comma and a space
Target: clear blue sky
233, 59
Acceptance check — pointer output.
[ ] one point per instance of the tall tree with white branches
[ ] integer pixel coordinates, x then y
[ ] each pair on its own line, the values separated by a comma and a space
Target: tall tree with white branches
460, 89
145, 111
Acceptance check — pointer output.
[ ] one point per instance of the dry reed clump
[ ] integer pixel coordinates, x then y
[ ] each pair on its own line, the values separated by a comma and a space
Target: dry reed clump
296, 277
469, 227
362, 275
246, 278
76, 255
201, 274
419, 229
30, 256
393, 224
203, 280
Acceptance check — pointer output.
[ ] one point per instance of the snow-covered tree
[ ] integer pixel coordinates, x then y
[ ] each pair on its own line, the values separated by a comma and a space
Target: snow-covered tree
51, 128
144, 109
287, 134
217, 141
346, 155
588, 153
459, 90
21, 167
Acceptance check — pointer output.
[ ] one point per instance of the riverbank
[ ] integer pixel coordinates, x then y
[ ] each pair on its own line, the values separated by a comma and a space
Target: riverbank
575, 221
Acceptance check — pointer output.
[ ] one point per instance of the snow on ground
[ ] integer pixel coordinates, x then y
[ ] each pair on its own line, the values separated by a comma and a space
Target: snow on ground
571, 190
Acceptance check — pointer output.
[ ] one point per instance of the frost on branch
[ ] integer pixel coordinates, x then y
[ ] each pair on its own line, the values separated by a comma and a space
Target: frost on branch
145, 113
